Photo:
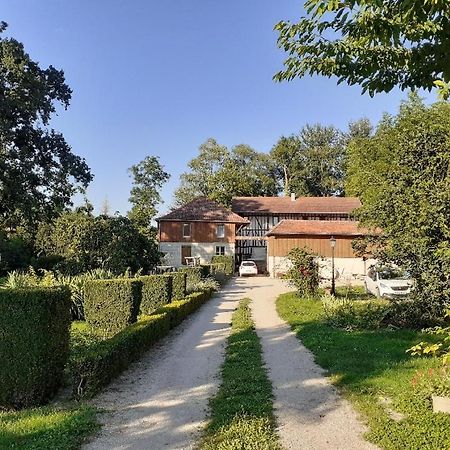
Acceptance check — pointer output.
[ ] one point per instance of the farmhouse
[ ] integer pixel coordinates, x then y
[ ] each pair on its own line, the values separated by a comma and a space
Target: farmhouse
201, 228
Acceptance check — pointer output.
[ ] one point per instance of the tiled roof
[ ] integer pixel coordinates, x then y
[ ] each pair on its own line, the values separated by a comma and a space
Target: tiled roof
284, 205
203, 209
318, 227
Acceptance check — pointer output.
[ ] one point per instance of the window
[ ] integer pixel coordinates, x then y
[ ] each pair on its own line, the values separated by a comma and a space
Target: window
220, 250
186, 230
220, 231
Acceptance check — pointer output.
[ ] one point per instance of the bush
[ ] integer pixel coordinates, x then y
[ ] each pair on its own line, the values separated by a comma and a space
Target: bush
112, 305
95, 362
34, 344
354, 314
178, 285
206, 284
156, 292
193, 274
94, 366
223, 263
206, 270
304, 272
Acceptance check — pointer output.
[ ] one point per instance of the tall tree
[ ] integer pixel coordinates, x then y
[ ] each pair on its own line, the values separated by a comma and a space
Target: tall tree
402, 175
148, 178
376, 44
38, 171
221, 174
312, 162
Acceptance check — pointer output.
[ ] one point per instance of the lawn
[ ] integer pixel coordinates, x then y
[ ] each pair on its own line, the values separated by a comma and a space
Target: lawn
46, 428
242, 410
373, 370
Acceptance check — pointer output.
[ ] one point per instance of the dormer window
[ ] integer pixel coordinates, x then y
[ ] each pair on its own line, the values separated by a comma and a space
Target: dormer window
220, 231
186, 230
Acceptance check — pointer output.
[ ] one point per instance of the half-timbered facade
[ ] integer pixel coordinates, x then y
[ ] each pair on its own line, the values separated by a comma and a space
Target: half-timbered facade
201, 229
264, 213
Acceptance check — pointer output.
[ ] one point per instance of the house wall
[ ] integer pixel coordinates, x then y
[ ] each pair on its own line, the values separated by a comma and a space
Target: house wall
204, 232
205, 251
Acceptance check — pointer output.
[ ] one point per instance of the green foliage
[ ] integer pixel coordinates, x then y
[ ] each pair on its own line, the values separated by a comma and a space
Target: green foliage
34, 344
178, 285
148, 178
56, 428
95, 362
304, 271
156, 292
221, 174
86, 242
368, 366
402, 175
205, 284
223, 263
16, 253
38, 171
355, 314
242, 410
312, 162
111, 305
375, 44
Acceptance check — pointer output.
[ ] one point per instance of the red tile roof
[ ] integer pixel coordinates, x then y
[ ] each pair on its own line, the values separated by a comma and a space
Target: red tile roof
203, 209
284, 205
318, 227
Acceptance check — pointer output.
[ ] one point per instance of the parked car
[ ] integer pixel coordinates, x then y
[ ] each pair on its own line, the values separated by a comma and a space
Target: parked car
248, 268
388, 281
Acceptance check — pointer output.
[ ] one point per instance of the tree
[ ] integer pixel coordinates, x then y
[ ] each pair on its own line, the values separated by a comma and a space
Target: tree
312, 162
402, 175
148, 178
38, 171
221, 174
376, 44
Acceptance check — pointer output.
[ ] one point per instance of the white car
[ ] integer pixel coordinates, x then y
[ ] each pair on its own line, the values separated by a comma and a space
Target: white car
388, 282
248, 268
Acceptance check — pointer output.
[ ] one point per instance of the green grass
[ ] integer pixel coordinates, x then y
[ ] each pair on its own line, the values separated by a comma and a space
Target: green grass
47, 428
368, 365
242, 411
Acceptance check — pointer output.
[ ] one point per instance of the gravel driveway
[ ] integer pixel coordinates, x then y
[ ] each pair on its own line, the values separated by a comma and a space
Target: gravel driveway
161, 402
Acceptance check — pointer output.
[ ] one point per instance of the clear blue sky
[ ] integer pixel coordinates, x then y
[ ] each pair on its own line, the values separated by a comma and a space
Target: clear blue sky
160, 77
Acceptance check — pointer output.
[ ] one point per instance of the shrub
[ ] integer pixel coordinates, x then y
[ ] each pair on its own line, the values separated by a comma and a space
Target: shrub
304, 272
178, 285
112, 305
94, 366
156, 292
193, 274
206, 270
206, 284
34, 344
354, 314
223, 263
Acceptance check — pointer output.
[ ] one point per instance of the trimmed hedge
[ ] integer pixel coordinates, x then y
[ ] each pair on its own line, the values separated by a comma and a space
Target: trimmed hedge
178, 285
193, 274
34, 344
94, 366
156, 292
226, 263
112, 305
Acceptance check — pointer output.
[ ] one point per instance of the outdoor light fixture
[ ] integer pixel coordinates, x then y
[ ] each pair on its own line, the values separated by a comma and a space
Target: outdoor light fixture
333, 245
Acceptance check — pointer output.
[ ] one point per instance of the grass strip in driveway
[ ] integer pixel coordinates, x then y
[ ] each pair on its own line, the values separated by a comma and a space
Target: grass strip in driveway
376, 374
242, 410
48, 427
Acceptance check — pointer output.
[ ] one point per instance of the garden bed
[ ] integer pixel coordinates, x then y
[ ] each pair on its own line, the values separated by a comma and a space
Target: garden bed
372, 368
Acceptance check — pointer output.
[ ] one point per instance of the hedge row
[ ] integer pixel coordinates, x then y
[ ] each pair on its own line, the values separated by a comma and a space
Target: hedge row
34, 344
94, 367
178, 285
112, 305
156, 292
223, 263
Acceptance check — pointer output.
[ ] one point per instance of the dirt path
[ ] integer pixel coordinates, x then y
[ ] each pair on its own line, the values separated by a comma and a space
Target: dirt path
161, 402
309, 412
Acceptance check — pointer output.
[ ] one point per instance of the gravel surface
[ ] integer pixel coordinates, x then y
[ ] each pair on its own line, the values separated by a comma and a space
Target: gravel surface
161, 402
310, 413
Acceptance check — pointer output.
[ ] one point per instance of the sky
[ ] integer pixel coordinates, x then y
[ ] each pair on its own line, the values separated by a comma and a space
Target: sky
160, 77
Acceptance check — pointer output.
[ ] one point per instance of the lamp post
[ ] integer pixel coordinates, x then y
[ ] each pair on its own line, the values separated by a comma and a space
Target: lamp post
333, 245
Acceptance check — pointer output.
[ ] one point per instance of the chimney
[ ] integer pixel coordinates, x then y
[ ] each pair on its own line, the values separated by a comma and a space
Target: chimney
292, 197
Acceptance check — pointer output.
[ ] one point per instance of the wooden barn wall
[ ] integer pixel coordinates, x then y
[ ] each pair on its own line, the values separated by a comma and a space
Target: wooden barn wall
200, 232
280, 246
